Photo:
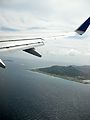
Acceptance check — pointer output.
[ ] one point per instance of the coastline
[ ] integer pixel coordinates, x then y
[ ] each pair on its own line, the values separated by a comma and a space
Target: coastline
84, 81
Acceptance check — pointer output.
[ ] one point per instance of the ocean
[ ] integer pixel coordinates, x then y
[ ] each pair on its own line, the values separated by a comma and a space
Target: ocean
28, 95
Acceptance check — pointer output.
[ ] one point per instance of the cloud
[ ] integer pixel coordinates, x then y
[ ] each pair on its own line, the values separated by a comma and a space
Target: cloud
52, 9
65, 52
64, 15
19, 20
51, 13
37, 7
87, 54
73, 52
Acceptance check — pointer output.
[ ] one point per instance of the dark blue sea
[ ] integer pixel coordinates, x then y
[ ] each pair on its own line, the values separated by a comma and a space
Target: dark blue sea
27, 95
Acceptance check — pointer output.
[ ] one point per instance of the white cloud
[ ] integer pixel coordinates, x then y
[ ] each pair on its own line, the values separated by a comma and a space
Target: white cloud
65, 15
50, 9
64, 51
73, 52
19, 20
51, 13
87, 54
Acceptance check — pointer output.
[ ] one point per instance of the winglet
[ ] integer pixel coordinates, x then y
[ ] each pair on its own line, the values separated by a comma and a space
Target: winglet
2, 64
83, 27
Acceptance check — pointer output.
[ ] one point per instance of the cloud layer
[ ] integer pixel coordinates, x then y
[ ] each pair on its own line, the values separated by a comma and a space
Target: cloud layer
64, 15
51, 12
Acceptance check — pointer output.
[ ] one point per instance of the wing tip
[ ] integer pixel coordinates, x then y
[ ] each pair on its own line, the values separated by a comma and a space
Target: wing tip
83, 27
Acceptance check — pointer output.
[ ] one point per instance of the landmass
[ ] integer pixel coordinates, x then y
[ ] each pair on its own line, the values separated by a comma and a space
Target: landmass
75, 73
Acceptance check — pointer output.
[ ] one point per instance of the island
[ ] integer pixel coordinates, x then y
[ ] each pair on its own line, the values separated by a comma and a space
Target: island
75, 73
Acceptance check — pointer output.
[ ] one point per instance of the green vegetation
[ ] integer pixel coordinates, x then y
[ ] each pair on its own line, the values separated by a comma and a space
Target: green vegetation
74, 73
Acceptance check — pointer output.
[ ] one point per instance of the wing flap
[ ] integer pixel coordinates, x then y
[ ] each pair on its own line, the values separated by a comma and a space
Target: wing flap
32, 51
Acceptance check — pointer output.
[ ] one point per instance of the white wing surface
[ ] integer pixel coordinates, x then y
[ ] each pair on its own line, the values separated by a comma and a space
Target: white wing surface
27, 45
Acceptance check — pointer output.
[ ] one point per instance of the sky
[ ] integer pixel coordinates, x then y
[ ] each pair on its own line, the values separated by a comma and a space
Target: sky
22, 14
62, 15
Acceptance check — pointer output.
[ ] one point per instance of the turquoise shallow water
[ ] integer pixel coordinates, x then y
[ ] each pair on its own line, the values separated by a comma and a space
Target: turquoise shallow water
27, 95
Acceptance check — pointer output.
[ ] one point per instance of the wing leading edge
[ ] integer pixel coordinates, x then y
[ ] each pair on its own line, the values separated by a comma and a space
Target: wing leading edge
27, 45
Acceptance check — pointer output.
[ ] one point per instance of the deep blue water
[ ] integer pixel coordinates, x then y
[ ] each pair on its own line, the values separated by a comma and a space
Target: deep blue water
27, 95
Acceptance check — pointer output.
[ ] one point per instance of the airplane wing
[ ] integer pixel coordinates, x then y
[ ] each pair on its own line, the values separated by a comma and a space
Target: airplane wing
28, 44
